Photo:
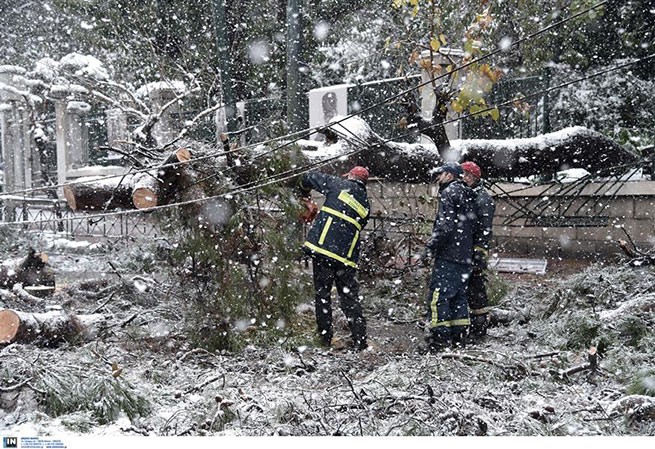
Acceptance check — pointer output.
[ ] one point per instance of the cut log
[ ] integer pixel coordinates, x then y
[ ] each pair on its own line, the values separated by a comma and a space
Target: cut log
154, 187
591, 365
32, 270
146, 191
95, 193
49, 328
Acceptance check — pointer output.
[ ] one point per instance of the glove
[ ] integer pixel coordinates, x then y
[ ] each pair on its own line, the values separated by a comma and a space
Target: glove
480, 257
426, 257
310, 209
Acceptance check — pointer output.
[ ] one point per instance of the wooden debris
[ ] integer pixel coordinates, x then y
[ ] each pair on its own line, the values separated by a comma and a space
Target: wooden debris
99, 194
637, 257
47, 328
591, 365
32, 270
637, 408
19, 291
155, 186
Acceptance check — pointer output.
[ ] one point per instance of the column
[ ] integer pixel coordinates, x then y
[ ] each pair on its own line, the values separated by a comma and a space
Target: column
170, 122
12, 128
71, 132
117, 132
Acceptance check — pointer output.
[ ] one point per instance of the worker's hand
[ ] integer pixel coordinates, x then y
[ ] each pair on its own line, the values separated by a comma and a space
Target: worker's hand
479, 258
310, 209
426, 257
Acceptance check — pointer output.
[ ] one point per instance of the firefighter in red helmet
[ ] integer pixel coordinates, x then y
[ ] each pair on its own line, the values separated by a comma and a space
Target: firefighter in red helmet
333, 243
482, 238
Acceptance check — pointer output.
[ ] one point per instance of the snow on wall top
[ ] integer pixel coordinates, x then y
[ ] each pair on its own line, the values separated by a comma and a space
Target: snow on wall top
175, 85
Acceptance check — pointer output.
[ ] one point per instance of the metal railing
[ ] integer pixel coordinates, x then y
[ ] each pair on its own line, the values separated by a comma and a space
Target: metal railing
42, 214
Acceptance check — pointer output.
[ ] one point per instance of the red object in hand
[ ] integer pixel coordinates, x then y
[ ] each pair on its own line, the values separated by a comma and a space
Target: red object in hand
311, 209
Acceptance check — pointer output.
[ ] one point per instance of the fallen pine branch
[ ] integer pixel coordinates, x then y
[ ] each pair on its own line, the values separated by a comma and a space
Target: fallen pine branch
517, 370
15, 387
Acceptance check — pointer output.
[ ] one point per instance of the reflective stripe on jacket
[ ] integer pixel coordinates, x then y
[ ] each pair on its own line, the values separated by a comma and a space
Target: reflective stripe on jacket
337, 227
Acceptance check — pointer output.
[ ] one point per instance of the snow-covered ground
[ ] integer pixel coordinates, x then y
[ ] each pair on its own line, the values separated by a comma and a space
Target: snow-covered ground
141, 375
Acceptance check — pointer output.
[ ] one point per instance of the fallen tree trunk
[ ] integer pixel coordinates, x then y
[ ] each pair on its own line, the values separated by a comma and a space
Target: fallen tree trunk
156, 186
49, 328
32, 270
575, 147
99, 193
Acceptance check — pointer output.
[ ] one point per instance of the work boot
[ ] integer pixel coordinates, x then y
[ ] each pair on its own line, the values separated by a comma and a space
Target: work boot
479, 325
360, 344
459, 340
436, 344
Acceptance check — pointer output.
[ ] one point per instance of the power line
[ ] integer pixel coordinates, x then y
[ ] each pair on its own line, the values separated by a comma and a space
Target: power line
306, 132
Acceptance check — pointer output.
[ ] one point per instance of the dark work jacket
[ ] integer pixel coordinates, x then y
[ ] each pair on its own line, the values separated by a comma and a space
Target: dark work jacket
452, 232
336, 228
485, 208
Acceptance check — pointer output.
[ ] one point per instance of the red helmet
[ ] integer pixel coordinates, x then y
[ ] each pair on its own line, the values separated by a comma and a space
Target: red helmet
358, 172
472, 168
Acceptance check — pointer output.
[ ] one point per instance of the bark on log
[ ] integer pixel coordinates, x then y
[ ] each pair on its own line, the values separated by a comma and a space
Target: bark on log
155, 186
575, 147
23, 294
32, 270
49, 328
99, 194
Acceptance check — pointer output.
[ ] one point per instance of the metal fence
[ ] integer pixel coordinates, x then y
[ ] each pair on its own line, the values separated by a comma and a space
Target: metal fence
49, 215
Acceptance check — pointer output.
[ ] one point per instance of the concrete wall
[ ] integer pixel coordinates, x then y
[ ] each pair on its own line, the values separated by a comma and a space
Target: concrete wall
629, 205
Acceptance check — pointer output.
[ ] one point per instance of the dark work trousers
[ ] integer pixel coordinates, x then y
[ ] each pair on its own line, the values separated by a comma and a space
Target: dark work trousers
448, 313
327, 272
477, 299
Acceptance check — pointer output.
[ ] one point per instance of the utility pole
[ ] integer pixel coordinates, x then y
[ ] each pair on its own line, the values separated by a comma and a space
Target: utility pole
294, 85
222, 51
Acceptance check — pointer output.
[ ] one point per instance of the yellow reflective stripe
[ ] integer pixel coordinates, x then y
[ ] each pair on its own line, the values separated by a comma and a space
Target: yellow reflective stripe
326, 228
353, 203
481, 311
460, 322
352, 245
343, 216
433, 307
330, 254
481, 249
